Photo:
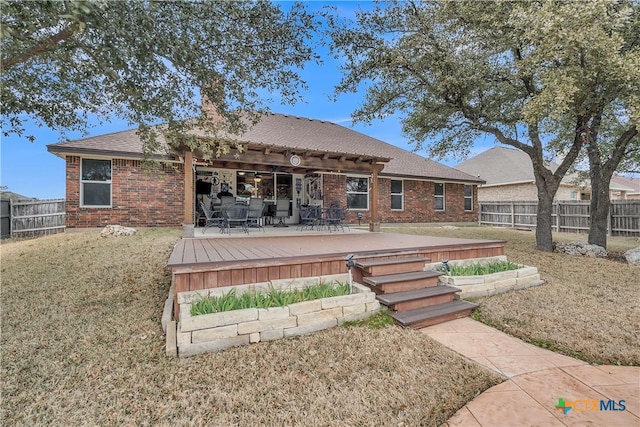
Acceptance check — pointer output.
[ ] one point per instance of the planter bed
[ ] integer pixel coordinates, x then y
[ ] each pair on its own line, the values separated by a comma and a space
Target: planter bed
218, 331
491, 284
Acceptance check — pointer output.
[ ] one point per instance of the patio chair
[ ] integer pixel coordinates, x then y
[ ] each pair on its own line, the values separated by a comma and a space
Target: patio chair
256, 208
307, 217
211, 219
334, 217
282, 212
227, 201
236, 216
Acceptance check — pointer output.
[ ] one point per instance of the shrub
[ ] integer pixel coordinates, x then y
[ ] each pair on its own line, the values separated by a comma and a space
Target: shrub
274, 298
481, 269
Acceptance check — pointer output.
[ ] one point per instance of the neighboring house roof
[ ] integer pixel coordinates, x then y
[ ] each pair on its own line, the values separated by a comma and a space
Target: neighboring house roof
504, 166
295, 133
629, 184
13, 196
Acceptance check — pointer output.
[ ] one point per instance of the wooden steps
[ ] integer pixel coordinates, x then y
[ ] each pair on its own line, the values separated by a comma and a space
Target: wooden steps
402, 284
423, 317
410, 300
381, 267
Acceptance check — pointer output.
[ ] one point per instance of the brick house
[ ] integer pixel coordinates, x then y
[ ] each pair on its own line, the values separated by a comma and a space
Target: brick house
309, 162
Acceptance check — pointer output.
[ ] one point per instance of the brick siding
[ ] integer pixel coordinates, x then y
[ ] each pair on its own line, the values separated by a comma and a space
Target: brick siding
418, 201
140, 197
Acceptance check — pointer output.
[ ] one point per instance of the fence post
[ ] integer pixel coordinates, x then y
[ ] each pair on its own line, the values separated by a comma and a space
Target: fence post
609, 219
558, 209
11, 215
513, 215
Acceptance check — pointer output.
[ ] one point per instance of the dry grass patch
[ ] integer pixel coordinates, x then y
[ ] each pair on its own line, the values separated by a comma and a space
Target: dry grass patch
82, 344
589, 308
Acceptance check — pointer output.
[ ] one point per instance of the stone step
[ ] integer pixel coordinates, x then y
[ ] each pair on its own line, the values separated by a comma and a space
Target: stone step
427, 316
402, 281
410, 300
379, 267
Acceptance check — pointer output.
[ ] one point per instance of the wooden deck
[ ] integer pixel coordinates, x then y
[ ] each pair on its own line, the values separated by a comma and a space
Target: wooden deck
214, 262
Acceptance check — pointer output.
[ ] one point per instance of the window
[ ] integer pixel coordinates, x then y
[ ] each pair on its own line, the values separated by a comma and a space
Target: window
439, 196
357, 193
468, 197
95, 183
397, 189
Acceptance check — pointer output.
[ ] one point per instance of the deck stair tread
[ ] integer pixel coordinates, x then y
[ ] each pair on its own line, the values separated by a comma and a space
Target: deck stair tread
395, 278
389, 261
409, 317
397, 297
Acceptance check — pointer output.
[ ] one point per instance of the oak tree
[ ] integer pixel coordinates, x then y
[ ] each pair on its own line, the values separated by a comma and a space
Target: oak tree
521, 72
149, 63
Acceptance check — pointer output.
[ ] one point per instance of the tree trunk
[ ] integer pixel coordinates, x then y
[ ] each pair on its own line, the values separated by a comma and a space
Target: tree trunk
600, 173
544, 238
599, 215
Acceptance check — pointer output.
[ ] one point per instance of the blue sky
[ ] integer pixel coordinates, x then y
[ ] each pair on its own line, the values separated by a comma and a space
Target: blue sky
28, 169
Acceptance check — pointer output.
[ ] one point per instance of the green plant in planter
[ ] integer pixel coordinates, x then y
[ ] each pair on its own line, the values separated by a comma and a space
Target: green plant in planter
274, 298
482, 269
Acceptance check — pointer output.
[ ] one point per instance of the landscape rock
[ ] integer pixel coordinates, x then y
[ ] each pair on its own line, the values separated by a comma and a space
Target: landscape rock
581, 249
117, 231
633, 256
449, 227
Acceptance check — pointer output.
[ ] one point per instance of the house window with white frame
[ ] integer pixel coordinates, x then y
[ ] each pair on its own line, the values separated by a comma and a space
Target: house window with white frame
397, 195
438, 194
95, 183
357, 193
468, 197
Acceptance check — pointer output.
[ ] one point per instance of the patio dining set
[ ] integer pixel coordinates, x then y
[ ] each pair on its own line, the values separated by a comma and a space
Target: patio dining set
232, 213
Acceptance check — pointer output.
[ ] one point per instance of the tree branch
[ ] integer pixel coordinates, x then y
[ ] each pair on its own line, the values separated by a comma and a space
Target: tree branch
41, 47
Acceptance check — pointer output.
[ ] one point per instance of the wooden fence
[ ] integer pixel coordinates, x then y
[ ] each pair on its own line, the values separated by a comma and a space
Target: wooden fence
32, 218
567, 216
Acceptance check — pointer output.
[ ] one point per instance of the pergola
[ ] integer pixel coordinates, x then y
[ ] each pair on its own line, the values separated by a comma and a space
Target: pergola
286, 159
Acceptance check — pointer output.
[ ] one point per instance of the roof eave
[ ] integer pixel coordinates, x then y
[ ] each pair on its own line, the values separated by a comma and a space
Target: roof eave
432, 178
62, 152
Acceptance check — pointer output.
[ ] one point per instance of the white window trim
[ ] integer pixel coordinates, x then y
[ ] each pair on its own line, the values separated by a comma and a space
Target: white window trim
358, 192
465, 197
401, 194
82, 182
444, 199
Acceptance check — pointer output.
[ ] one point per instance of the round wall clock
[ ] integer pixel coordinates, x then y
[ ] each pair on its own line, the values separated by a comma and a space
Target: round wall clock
295, 160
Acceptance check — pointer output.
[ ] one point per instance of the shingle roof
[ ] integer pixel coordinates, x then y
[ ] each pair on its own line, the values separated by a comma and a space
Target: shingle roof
503, 165
296, 133
629, 184
500, 165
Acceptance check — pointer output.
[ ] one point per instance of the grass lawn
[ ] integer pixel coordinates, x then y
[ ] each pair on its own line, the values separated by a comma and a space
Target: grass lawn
589, 308
82, 344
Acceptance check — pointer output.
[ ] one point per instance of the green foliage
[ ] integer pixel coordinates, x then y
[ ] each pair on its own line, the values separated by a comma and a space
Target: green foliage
481, 269
274, 298
380, 320
147, 62
523, 73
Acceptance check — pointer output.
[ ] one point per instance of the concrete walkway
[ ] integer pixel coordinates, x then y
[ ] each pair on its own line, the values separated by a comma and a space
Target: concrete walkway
537, 378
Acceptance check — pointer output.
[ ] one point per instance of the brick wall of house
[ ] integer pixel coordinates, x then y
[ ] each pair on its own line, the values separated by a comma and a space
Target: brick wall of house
519, 192
418, 202
140, 197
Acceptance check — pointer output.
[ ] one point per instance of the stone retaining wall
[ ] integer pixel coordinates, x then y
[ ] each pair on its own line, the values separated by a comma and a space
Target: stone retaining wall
491, 284
218, 331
